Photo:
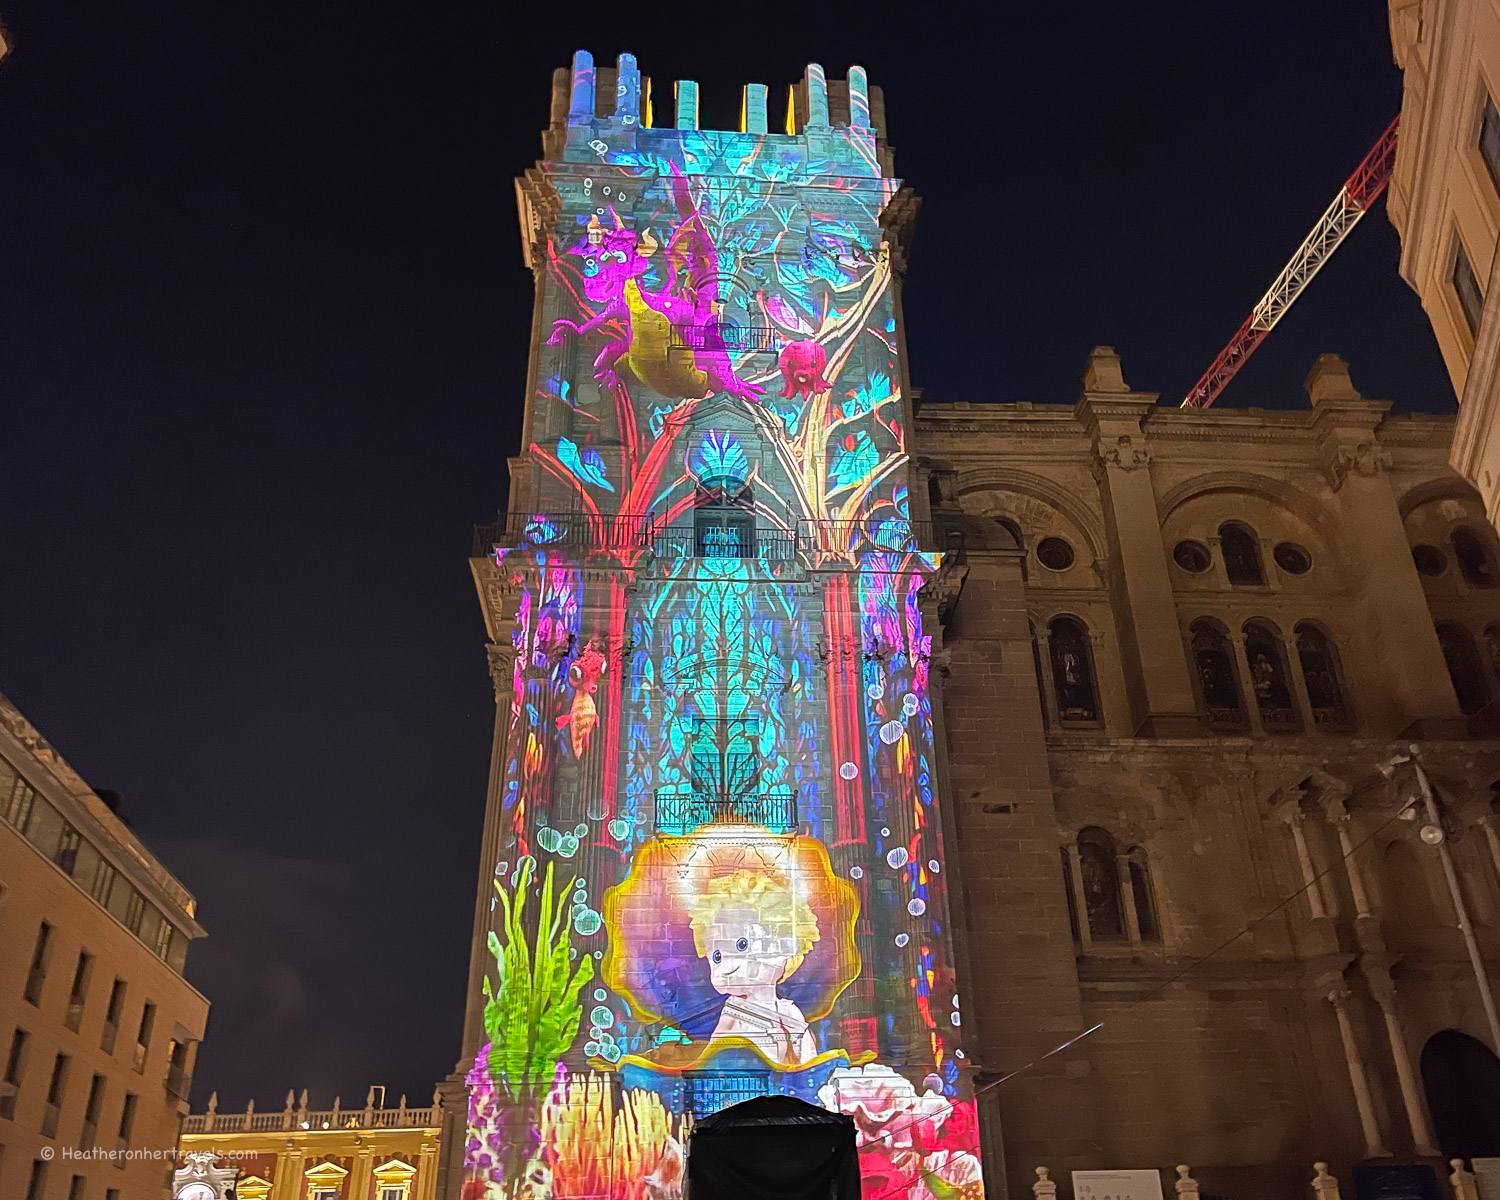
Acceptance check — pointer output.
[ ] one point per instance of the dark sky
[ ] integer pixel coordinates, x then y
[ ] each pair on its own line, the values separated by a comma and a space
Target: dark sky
262, 332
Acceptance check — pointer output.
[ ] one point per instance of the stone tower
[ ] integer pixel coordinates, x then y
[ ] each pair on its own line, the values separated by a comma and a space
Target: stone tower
713, 862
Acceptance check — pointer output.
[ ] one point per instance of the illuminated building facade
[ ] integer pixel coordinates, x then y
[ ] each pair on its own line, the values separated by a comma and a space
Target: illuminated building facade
1444, 201
297, 1153
714, 850
98, 1028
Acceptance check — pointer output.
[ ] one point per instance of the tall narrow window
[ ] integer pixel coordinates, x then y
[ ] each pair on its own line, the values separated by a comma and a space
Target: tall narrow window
1144, 895
1241, 550
1073, 671
36, 1186
1320, 672
36, 978
1489, 140
1473, 558
143, 1037
1466, 287
56, 1086
80, 989
1268, 678
1464, 668
66, 854
15, 1064
1101, 883
127, 1120
1218, 683
91, 1112
112, 1016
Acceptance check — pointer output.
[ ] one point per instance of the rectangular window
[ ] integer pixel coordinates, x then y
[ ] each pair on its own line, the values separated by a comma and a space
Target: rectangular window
127, 1120
91, 1113
1466, 285
66, 854
1489, 140
75, 1188
15, 1065
143, 1036
36, 978
17, 798
45, 827
59, 1081
163, 944
37, 1185
79, 991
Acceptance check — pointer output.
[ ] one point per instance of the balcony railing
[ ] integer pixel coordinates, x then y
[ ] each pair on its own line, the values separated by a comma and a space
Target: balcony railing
301, 1118
565, 530
709, 1092
864, 537
681, 813
723, 541
737, 339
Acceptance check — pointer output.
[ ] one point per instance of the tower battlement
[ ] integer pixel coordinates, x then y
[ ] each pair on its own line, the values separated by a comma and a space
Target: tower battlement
612, 114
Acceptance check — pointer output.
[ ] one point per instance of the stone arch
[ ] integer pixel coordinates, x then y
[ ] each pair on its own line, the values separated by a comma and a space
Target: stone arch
1445, 487
1039, 487
1461, 1077
1285, 495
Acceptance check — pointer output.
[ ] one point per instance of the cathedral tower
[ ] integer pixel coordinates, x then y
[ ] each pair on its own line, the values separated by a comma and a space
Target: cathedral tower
714, 848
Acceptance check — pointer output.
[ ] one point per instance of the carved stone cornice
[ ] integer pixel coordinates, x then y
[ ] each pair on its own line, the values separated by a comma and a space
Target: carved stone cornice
1366, 458
899, 221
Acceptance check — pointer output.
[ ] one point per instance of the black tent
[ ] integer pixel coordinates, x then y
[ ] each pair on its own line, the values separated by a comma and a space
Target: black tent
773, 1148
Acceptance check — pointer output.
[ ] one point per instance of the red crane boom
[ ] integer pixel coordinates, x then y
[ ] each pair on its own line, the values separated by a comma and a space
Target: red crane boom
1359, 192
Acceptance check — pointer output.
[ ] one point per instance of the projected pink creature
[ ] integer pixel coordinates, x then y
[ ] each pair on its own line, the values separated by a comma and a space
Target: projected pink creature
802, 367
671, 341
583, 716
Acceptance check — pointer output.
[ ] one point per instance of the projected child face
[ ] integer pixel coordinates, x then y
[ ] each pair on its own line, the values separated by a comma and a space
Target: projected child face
743, 956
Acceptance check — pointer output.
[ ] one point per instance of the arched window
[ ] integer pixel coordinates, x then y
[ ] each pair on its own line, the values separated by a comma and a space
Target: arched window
1013, 529
1473, 558
1073, 671
1218, 683
1464, 667
1241, 550
1268, 679
1101, 883
1324, 679
1461, 1077
724, 521
1036, 661
1144, 896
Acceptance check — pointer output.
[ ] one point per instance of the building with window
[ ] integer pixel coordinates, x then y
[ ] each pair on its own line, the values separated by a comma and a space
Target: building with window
98, 1027
1444, 200
369, 1153
1176, 648
870, 754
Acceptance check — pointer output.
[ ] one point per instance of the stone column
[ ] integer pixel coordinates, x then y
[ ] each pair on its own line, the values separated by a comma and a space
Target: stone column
1391, 604
1075, 880
1486, 822
1332, 799
1377, 974
1360, 1082
1247, 682
1127, 901
1290, 812
1157, 682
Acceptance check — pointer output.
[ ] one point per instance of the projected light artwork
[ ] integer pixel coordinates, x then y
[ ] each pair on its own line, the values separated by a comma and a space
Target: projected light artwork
720, 869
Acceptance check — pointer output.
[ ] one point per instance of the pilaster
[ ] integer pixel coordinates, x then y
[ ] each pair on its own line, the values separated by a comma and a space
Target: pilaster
1157, 682
1391, 601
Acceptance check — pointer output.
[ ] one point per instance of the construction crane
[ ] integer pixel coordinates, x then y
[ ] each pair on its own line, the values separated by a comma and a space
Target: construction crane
1355, 198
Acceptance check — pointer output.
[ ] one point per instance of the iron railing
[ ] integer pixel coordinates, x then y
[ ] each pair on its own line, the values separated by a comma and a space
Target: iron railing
723, 541
864, 537
709, 1092
566, 530
737, 339
681, 813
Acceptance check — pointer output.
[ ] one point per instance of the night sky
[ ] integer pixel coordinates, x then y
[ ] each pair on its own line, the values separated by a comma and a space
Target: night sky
263, 326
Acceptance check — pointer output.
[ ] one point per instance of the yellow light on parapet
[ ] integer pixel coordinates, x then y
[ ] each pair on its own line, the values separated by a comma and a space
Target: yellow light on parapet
791, 108
650, 112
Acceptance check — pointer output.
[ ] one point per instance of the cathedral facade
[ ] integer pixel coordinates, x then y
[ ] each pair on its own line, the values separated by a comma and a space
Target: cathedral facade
1025, 782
